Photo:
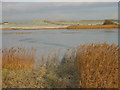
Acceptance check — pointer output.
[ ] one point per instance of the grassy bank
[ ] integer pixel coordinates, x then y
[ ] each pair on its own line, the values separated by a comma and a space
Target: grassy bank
87, 66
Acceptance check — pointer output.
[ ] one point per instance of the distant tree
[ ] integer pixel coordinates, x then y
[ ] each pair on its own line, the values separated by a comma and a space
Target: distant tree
108, 22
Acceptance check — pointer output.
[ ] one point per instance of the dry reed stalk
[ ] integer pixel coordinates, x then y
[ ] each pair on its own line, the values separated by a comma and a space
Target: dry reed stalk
0, 59
98, 65
0, 69
18, 58
93, 26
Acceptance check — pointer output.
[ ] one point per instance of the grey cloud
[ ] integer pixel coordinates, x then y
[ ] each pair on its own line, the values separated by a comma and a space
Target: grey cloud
27, 11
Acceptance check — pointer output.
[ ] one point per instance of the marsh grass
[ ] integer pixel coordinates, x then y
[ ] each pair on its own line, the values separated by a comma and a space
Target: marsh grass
50, 74
0, 69
98, 65
18, 58
93, 27
87, 66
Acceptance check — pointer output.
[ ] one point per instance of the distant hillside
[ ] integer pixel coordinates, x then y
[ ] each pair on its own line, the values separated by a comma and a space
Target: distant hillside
46, 23
81, 22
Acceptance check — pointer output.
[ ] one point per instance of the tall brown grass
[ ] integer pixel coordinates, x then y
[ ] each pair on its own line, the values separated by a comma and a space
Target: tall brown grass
87, 66
18, 58
93, 27
98, 65
50, 74
0, 59
0, 69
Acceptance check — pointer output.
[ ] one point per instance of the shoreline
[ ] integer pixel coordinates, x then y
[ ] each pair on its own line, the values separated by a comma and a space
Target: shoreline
33, 28
65, 27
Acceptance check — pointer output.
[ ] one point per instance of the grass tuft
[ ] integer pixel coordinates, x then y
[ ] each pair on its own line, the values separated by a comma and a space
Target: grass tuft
98, 65
18, 58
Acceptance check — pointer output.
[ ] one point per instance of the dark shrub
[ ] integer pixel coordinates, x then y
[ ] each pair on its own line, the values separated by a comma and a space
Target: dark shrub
108, 22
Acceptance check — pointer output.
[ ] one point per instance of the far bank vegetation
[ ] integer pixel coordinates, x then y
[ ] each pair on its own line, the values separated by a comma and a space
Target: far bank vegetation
106, 24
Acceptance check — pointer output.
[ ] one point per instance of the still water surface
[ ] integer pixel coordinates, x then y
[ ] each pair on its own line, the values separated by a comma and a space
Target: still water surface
45, 40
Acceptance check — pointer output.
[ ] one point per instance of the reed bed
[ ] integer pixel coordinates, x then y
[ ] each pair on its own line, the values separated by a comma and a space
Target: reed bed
0, 69
0, 59
93, 26
50, 74
98, 65
86, 66
18, 58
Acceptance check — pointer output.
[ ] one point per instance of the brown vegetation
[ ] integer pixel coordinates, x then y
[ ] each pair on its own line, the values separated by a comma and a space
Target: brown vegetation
18, 58
98, 65
108, 22
50, 74
88, 66
93, 27
65, 27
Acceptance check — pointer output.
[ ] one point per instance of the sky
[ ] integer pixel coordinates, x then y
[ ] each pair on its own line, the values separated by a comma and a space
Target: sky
59, 0
67, 11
